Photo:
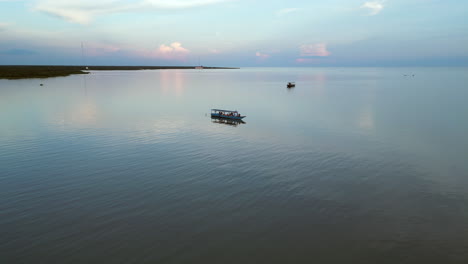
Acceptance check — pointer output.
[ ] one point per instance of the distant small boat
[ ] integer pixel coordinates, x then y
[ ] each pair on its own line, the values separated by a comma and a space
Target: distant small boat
291, 85
226, 114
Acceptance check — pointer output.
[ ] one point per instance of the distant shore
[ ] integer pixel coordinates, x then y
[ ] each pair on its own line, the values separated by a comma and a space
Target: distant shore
12, 72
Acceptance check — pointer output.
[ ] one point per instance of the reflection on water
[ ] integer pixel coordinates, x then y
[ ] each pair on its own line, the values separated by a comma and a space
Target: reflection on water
172, 82
226, 121
124, 167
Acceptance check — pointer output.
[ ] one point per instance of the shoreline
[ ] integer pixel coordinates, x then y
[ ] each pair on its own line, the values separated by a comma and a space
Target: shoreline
15, 72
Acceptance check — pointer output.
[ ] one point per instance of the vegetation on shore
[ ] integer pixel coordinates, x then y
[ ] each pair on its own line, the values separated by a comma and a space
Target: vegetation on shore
24, 71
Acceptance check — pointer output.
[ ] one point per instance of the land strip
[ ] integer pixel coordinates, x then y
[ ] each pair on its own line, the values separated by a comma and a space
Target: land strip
43, 71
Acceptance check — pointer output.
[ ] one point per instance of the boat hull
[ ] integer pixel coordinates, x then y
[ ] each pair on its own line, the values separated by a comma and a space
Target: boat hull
228, 117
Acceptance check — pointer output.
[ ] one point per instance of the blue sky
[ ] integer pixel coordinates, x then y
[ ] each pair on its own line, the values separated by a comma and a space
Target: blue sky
235, 32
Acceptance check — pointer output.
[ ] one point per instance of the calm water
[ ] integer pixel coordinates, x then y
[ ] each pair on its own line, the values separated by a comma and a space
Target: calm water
354, 165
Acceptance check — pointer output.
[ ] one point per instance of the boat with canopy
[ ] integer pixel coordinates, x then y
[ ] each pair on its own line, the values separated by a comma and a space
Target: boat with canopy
220, 113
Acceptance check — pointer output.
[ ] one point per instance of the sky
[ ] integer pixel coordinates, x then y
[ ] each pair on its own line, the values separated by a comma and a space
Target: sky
234, 33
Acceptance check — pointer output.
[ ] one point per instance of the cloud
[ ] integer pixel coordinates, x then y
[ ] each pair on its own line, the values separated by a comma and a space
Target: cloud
83, 11
80, 12
285, 11
314, 50
374, 7
3, 26
99, 49
304, 60
174, 51
262, 56
179, 4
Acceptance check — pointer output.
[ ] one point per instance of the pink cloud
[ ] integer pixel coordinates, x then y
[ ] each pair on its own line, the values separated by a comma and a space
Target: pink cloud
174, 51
314, 50
262, 56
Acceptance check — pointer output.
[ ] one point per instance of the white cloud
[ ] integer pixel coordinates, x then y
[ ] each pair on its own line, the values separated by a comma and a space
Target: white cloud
84, 11
285, 11
314, 50
374, 7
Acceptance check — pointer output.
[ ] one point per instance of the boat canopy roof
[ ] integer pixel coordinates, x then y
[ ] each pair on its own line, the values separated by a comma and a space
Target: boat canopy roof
221, 110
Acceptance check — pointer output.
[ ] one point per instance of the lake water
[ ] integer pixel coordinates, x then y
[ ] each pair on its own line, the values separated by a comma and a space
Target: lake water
353, 165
